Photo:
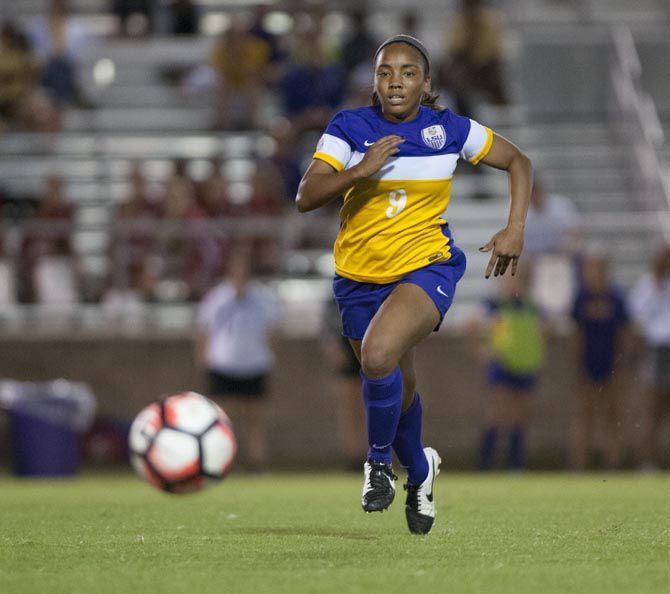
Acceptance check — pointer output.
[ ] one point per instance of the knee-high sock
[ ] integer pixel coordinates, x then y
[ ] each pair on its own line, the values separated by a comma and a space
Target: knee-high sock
407, 443
487, 448
516, 448
383, 401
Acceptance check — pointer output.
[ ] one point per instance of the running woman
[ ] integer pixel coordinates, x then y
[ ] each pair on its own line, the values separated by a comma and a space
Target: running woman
395, 260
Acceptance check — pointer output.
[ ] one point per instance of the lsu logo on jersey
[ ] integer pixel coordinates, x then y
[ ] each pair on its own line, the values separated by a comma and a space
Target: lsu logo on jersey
434, 136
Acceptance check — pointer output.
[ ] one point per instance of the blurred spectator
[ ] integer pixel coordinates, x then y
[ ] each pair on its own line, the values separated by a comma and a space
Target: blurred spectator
183, 18
360, 44
474, 57
346, 387
123, 303
179, 200
189, 256
213, 191
515, 355
409, 23
312, 86
260, 31
235, 322
551, 225
267, 200
55, 207
58, 41
650, 307
286, 157
136, 17
21, 103
600, 314
239, 60
135, 237
48, 248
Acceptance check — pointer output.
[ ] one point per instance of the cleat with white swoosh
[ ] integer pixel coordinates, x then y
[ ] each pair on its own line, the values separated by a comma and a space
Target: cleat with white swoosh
419, 505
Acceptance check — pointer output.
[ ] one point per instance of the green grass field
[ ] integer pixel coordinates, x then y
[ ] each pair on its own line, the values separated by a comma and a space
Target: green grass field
306, 533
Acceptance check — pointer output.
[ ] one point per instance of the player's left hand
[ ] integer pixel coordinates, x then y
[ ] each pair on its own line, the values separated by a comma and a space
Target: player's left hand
506, 246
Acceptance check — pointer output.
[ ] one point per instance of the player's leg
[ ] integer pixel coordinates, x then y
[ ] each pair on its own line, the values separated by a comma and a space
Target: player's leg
406, 316
407, 444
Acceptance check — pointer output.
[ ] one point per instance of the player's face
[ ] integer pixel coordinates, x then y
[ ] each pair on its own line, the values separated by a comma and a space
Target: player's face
400, 81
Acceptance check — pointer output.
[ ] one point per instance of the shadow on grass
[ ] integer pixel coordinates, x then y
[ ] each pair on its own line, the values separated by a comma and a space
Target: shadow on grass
307, 531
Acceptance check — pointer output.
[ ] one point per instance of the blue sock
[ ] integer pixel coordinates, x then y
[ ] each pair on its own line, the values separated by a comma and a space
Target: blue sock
407, 443
383, 401
488, 448
515, 452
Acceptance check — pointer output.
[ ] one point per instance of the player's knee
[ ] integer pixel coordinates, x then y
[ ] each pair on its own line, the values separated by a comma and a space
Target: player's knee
376, 359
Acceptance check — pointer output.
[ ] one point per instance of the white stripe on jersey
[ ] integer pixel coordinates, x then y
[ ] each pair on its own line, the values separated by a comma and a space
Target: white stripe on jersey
412, 168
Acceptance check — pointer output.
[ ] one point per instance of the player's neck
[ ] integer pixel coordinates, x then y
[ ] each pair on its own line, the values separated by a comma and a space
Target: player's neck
403, 118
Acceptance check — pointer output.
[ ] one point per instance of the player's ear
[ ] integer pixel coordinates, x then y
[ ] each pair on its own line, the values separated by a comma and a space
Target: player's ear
427, 85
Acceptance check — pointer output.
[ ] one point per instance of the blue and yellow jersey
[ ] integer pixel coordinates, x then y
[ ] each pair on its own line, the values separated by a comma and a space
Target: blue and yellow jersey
392, 223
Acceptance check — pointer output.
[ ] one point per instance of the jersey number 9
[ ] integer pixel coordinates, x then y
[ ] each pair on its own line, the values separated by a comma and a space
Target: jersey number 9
398, 201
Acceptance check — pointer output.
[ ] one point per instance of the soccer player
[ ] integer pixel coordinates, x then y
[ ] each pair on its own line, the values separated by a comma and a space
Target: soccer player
395, 260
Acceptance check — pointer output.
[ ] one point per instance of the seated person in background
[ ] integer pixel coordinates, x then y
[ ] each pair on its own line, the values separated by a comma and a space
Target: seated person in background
286, 157
49, 246
58, 41
235, 323
602, 322
313, 86
650, 307
213, 191
21, 103
240, 61
515, 356
267, 200
474, 57
551, 225
135, 235
190, 256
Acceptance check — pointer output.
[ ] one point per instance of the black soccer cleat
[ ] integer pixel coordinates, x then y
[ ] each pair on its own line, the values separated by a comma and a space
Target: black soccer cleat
378, 487
419, 505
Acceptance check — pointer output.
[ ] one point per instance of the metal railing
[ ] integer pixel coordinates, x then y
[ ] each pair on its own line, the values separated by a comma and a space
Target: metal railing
634, 113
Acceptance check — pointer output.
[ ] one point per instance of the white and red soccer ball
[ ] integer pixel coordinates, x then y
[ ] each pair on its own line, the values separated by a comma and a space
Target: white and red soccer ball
182, 443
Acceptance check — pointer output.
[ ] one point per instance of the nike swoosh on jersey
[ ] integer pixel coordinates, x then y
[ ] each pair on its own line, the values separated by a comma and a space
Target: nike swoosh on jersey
367, 143
440, 291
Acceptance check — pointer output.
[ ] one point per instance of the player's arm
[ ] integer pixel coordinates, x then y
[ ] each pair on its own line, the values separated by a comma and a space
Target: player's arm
323, 183
507, 244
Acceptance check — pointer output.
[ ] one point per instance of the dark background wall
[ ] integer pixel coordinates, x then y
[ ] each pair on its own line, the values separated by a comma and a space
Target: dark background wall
125, 373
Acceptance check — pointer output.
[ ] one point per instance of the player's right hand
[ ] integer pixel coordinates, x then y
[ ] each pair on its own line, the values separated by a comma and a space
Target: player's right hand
378, 154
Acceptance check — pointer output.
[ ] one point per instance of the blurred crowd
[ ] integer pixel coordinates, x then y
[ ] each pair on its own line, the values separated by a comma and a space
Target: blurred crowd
285, 85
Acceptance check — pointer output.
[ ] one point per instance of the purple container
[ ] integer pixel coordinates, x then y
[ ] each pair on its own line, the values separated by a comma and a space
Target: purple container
42, 448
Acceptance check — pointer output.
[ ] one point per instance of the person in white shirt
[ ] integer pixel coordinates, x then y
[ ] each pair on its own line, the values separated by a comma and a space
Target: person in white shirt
235, 323
650, 306
551, 223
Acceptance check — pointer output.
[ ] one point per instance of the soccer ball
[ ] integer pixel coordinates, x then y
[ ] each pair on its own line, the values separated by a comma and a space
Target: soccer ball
182, 443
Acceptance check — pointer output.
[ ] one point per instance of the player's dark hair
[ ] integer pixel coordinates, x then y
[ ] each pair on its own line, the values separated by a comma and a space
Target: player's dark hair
428, 99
